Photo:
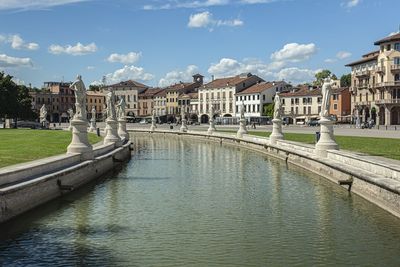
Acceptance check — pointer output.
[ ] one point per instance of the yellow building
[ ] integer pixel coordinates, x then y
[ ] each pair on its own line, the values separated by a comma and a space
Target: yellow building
375, 84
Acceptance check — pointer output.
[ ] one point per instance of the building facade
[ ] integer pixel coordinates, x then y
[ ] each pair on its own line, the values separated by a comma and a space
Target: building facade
375, 84
129, 90
340, 105
257, 96
96, 100
221, 94
160, 103
147, 101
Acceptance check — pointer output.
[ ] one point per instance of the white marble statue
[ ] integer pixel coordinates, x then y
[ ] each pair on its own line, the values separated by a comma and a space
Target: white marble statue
110, 101
326, 95
242, 110
277, 107
70, 113
43, 113
121, 108
211, 111
93, 113
80, 97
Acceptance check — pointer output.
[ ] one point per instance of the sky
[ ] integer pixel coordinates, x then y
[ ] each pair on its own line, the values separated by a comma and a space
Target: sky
161, 42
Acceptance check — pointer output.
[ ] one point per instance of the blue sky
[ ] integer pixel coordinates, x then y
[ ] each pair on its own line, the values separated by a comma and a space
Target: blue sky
161, 42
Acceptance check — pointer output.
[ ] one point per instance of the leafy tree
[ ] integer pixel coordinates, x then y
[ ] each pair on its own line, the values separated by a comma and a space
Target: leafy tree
320, 76
268, 110
94, 87
15, 101
345, 80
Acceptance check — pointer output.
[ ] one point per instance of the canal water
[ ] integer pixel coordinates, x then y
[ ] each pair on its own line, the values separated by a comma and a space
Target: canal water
181, 202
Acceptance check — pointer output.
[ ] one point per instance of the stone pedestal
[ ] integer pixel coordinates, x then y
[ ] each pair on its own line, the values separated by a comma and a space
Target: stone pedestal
153, 126
184, 127
92, 127
326, 140
123, 134
80, 142
242, 128
211, 129
112, 133
276, 131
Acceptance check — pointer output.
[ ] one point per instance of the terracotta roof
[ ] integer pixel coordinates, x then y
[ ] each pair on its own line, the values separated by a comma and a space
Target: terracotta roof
339, 90
161, 93
363, 60
150, 92
394, 37
178, 86
129, 83
194, 95
259, 87
304, 91
372, 53
229, 81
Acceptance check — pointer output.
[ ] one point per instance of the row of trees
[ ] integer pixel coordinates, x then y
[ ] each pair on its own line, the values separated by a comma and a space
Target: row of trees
15, 101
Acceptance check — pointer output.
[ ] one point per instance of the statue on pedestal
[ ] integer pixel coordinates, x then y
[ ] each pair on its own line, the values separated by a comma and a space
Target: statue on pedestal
80, 142
326, 140
111, 129
93, 120
242, 122
43, 114
326, 96
153, 120
121, 108
277, 121
184, 127
110, 102
211, 129
80, 98
277, 107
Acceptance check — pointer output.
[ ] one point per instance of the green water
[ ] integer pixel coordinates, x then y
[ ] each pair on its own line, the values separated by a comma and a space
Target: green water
187, 203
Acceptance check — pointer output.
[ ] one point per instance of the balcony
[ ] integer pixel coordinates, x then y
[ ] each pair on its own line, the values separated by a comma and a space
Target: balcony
372, 88
387, 101
362, 73
395, 68
388, 84
380, 70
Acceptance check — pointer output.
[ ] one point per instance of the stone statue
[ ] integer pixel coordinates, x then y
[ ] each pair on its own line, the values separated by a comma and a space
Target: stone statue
211, 112
326, 96
70, 113
153, 115
242, 110
93, 112
43, 113
121, 108
110, 101
277, 107
182, 113
80, 97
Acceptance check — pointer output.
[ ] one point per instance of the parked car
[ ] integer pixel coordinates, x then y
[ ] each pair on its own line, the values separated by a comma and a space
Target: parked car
143, 121
29, 124
313, 123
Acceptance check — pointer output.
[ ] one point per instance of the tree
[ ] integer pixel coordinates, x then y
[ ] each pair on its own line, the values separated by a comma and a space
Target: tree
94, 87
320, 76
345, 80
268, 110
15, 101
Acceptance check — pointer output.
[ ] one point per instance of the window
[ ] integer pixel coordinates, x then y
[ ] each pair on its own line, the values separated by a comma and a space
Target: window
263, 97
335, 97
397, 46
304, 110
292, 101
319, 109
254, 97
334, 106
388, 47
304, 101
396, 60
283, 101
237, 109
309, 110
258, 97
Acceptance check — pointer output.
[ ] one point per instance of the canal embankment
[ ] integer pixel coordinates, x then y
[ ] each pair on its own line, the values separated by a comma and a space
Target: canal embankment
373, 178
28, 185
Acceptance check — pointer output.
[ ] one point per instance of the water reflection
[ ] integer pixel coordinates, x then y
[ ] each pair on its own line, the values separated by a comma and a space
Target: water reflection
180, 202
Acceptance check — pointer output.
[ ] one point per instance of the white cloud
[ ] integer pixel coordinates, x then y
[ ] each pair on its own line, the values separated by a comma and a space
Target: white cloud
18, 43
351, 3
129, 58
273, 71
76, 50
394, 33
296, 75
330, 60
90, 67
294, 52
343, 54
177, 76
172, 4
205, 20
128, 73
10, 62
36, 4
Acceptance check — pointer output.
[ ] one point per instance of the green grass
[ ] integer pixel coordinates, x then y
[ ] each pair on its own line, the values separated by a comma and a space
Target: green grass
17, 145
384, 147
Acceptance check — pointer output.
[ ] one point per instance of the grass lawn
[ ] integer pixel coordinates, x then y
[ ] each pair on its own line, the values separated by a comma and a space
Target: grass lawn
384, 147
20, 145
